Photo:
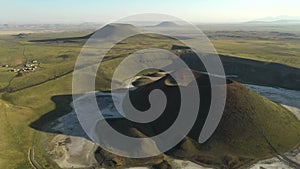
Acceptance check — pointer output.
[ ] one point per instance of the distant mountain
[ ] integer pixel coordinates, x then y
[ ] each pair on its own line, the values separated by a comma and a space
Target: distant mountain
167, 24
116, 30
111, 31
276, 20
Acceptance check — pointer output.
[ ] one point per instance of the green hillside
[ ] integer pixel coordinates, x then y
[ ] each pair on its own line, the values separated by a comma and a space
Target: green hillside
250, 129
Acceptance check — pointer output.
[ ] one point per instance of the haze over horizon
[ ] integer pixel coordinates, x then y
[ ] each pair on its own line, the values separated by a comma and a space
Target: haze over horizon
76, 11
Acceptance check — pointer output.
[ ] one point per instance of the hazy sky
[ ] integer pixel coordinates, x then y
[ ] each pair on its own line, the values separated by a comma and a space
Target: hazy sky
77, 11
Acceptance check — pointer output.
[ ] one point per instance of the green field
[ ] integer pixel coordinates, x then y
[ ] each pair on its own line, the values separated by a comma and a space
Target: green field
26, 98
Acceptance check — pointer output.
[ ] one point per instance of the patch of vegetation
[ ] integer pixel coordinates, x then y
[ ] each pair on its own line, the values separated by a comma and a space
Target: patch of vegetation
268, 44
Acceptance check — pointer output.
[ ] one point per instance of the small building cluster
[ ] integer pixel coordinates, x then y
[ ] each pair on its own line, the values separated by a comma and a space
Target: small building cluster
26, 68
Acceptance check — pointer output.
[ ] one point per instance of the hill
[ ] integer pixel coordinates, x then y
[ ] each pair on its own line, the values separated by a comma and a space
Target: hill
116, 30
108, 31
252, 127
167, 24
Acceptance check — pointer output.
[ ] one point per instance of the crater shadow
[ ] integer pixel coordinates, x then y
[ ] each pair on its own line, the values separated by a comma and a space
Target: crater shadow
61, 120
